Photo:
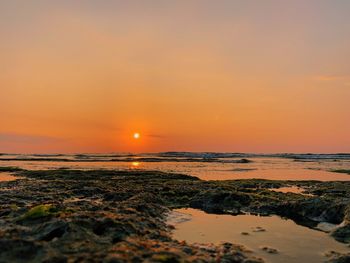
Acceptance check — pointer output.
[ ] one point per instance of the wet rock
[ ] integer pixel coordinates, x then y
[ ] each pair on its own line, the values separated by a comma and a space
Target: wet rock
217, 201
164, 257
9, 169
326, 227
315, 209
187, 250
13, 250
259, 229
50, 230
336, 257
119, 216
5, 212
235, 253
269, 250
342, 234
245, 161
39, 211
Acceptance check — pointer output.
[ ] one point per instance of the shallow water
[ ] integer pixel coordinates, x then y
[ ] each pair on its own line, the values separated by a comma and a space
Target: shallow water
294, 243
273, 168
5, 176
291, 189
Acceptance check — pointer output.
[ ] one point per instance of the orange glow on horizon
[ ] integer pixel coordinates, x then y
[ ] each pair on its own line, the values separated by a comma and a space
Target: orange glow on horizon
121, 77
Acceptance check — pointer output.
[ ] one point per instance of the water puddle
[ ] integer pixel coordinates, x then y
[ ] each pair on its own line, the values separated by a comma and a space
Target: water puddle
5, 176
291, 189
271, 238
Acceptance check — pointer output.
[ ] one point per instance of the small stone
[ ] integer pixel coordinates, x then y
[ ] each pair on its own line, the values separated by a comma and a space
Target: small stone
259, 229
187, 250
269, 250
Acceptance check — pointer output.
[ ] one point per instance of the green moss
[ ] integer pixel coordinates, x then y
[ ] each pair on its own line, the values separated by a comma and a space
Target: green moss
165, 258
40, 211
14, 207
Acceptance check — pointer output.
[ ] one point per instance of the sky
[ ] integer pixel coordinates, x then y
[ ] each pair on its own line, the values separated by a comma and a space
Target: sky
224, 75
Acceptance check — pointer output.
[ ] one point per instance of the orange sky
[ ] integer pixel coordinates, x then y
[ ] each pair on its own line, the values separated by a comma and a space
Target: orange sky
236, 76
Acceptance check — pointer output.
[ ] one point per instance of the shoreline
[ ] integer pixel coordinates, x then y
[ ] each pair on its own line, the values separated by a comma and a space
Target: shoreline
72, 214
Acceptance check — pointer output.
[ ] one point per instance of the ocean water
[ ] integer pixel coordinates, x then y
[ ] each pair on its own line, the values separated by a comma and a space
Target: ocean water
6, 176
207, 166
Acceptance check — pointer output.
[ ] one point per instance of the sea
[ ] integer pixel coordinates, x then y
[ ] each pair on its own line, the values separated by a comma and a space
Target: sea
204, 165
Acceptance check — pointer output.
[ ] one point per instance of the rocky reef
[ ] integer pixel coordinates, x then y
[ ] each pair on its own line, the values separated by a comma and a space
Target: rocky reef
119, 216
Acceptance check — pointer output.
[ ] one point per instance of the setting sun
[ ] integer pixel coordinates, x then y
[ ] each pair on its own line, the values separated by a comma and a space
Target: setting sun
121, 118
135, 164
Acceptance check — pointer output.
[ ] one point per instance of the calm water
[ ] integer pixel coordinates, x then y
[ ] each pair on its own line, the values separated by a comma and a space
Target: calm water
213, 168
5, 176
294, 243
291, 189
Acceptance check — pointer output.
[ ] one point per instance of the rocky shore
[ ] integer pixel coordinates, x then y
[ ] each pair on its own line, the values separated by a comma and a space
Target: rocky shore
119, 216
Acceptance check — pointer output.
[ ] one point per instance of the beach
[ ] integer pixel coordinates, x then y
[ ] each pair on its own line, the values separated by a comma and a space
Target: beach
65, 215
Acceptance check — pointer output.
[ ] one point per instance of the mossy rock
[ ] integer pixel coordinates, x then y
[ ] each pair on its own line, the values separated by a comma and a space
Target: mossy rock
14, 207
342, 234
40, 211
165, 257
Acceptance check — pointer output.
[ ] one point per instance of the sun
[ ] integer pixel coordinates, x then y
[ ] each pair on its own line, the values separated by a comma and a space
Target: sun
135, 164
136, 135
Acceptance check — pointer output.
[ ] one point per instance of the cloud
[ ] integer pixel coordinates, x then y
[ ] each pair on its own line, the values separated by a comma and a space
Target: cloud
328, 77
339, 79
158, 136
26, 138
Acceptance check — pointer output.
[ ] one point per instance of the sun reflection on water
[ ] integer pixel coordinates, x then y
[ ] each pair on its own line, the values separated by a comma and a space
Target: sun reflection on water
135, 164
